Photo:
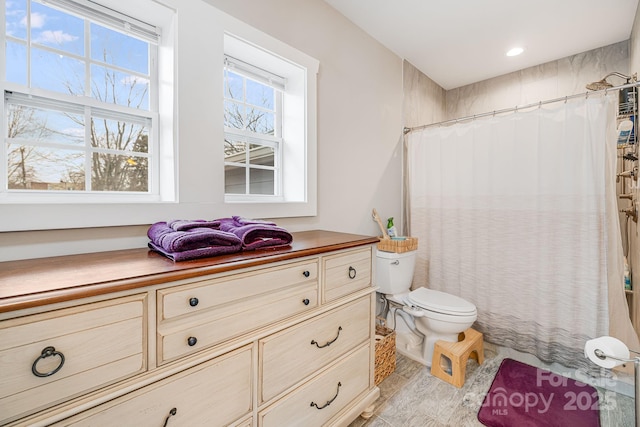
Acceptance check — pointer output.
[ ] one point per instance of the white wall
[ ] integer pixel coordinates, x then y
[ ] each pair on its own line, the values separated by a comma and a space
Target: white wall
359, 121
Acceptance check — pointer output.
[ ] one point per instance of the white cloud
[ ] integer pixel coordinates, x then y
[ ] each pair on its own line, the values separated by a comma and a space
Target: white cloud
55, 37
37, 20
129, 80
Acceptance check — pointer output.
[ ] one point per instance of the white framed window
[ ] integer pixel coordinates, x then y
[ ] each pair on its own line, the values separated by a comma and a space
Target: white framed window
80, 103
269, 125
253, 130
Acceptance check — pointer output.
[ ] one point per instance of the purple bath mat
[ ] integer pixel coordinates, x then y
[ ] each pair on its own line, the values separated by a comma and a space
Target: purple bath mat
522, 395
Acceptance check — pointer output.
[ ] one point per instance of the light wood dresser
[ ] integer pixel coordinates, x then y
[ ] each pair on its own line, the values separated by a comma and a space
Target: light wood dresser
273, 338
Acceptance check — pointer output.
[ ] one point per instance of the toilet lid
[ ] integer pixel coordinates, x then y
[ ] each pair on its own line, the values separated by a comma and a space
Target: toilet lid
440, 302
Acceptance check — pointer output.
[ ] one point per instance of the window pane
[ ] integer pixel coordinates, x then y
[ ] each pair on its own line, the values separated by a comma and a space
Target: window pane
119, 135
261, 181
56, 72
114, 87
41, 168
115, 48
261, 155
49, 145
233, 115
234, 180
234, 151
260, 121
16, 63
260, 95
111, 172
16, 15
233, 85
45, 125
53, 28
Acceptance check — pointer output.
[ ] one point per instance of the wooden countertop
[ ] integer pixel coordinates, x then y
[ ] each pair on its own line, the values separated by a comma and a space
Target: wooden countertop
36, 282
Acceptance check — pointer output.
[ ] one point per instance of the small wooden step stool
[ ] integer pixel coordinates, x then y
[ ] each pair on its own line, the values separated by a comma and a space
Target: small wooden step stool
470, 344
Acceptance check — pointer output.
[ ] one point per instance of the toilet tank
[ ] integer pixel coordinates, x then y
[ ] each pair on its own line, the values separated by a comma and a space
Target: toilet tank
394, 271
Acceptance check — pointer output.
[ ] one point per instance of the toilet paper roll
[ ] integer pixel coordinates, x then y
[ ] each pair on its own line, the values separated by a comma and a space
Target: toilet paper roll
608, 345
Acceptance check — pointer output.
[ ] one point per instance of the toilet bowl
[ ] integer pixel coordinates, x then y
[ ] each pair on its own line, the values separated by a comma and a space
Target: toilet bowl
427, 315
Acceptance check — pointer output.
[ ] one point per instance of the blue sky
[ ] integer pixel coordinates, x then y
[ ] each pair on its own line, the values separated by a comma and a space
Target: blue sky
65, 35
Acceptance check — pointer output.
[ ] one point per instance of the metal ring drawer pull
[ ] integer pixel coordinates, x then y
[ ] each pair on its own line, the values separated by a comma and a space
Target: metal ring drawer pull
328, 343
172, 412
46, 352
352, 273
329, 402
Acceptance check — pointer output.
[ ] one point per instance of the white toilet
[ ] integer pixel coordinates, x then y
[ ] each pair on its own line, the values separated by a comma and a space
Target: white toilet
420, 317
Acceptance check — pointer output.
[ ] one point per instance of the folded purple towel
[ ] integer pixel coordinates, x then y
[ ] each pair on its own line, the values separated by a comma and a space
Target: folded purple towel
247, 221
184, 224
195, 253
256, 234
193, 238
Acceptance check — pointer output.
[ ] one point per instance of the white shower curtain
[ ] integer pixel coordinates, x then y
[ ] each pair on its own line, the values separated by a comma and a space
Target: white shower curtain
511, 214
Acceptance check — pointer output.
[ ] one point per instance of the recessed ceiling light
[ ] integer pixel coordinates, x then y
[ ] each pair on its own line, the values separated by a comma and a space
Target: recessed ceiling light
515, 51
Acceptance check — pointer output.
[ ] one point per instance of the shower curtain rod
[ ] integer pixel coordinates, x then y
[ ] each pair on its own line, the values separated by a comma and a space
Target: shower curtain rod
406, 130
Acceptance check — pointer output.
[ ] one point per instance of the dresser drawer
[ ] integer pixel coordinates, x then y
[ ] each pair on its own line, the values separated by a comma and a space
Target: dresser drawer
316, 402
75, 350
207, 295
346, 272
215, 393
234, 319
292, 355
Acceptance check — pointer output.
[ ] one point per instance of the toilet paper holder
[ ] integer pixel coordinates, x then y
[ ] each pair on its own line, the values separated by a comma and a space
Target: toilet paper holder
636, 370
602, 355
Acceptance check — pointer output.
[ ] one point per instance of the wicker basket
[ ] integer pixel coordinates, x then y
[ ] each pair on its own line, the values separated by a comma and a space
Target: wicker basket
385, 361
399, 246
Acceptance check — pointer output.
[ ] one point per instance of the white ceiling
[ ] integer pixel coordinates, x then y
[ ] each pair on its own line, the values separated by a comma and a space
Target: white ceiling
458, 42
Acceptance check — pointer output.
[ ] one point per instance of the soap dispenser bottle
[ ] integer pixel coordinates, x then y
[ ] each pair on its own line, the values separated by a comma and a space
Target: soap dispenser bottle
391, 229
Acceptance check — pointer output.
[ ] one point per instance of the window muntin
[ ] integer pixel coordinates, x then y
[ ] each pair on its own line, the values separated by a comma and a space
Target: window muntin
253, 129
84, 72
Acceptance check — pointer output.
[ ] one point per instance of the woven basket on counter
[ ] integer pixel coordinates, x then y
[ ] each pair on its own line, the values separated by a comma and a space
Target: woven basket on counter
398, 246
385, 360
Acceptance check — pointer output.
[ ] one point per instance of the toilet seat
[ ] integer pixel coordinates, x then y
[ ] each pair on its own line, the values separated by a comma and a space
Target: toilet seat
440, 302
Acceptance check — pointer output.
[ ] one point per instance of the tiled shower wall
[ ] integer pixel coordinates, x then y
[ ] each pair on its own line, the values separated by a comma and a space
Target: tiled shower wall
425, 102
556, 79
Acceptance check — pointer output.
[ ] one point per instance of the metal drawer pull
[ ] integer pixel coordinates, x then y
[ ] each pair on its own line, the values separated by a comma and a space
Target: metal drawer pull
172, 412
352, 273
46, 352
305, 301
306, 273
192, 341
329, 402
328, 343
193, 301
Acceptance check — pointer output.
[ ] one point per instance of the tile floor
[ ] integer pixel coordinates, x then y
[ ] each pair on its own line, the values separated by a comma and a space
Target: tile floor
411, 397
